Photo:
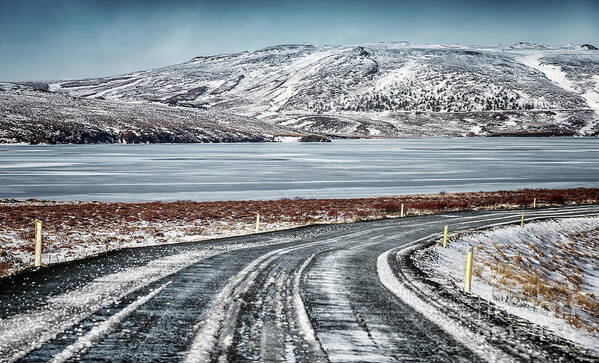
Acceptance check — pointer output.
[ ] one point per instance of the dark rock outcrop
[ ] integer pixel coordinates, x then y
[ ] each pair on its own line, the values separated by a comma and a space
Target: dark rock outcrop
314, 138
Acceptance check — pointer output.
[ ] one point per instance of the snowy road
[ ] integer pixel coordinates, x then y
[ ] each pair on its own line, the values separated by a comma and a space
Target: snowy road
321, 293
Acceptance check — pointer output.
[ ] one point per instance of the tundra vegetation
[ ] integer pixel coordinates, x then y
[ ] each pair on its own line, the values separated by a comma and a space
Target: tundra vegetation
76, 229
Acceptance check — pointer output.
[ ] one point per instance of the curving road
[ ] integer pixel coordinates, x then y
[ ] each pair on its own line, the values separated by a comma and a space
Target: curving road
337, 293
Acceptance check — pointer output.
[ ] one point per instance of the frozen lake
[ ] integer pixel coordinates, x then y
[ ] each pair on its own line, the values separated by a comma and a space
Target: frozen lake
349, 168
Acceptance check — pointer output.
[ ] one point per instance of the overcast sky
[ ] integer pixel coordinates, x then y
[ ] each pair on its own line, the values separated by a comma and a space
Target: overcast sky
61, 39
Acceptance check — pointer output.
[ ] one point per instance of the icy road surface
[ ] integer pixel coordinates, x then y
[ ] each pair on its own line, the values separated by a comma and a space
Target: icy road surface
321, 293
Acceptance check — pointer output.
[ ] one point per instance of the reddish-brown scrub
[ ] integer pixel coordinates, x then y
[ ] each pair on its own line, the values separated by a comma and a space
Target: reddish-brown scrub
69, 222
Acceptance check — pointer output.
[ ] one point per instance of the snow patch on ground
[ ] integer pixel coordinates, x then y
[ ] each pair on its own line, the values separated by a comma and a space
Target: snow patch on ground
559, 251
592, 95
113, 92
592, 98
558, 76
287, 138
397, 76
553, 73
297, 71
476, 129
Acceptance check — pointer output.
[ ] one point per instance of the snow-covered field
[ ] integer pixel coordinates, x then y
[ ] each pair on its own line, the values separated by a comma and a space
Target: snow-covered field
546, 272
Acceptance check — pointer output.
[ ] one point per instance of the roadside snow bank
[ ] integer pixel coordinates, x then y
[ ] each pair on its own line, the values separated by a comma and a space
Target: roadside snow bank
546, 272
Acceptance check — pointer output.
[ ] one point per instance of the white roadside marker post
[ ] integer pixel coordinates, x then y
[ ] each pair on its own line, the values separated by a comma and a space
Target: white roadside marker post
468, 272
445, 237
534, 203
257, 222
401, 214
38, 243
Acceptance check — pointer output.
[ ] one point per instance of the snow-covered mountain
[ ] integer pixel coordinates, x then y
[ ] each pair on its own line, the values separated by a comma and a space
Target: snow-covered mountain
380, 89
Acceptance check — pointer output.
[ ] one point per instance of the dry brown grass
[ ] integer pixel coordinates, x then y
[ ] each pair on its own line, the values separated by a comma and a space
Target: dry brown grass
4, 268
68, 224
82, 215
552, 279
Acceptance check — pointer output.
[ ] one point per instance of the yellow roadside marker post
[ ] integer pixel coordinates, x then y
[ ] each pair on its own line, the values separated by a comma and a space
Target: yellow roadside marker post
401, 214
445, 237
38, 243
257, 222
522, 221
468, 272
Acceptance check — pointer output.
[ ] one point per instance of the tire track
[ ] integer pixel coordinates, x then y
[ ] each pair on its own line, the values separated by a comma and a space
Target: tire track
231, 318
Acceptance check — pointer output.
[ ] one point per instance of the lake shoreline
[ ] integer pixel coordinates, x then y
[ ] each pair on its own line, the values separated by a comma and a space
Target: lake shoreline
326, 138
77, 229
263, 171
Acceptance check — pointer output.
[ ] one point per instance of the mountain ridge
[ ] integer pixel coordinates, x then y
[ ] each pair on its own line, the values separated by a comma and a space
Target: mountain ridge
394, 89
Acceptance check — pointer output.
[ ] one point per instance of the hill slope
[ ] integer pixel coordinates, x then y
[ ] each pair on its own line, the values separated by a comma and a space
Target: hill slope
30, 116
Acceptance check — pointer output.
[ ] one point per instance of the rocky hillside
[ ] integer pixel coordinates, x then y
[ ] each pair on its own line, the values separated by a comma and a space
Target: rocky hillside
37, 116
373, 90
